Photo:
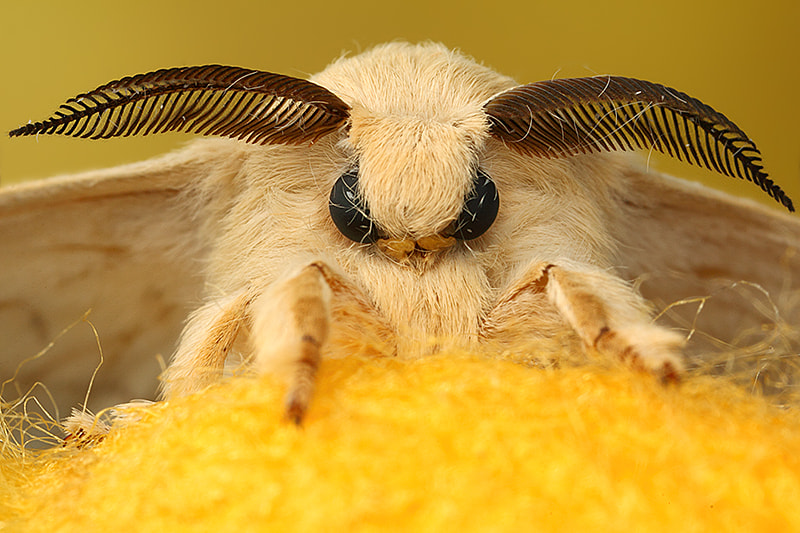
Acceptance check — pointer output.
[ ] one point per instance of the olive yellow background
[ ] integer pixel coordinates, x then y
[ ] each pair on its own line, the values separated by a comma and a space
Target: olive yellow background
740, 57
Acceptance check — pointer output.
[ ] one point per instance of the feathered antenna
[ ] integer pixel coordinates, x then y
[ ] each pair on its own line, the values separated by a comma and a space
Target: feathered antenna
565, 117
250, 105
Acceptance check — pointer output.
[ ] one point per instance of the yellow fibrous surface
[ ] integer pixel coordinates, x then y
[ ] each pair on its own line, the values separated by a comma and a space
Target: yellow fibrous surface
456, 441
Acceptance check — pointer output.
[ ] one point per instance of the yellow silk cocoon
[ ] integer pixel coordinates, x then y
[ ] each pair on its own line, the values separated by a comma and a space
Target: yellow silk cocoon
452, 442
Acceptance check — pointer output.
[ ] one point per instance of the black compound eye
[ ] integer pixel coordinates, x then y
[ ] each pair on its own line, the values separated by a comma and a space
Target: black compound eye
480, 209
348, 213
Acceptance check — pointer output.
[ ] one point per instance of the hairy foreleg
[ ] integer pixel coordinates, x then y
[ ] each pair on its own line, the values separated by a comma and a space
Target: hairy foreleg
198, 362
206, 342
291, 325
605, 313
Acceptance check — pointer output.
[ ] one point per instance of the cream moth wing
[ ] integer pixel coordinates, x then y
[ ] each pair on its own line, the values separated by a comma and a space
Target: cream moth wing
729, 264
113, 243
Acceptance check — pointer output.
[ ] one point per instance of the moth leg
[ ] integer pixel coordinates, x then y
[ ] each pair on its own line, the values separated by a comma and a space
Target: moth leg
198, 362
205, 344
611, 318
83, 429
607, 315
291, 323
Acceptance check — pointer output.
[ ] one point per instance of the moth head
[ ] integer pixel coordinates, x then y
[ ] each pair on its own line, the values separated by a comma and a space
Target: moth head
415, 183
416, 175
352, 216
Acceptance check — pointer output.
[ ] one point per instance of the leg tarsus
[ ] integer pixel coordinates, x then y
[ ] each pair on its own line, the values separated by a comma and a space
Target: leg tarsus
301, 385
84, 429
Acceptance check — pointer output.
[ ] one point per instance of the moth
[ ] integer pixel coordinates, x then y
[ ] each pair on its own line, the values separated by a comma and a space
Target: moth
407, 195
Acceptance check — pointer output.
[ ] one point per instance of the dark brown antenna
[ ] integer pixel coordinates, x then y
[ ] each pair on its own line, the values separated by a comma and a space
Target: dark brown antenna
250, 105
565, 117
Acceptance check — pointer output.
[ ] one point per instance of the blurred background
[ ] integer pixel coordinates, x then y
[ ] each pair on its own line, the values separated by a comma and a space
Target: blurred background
739, 57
